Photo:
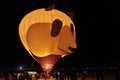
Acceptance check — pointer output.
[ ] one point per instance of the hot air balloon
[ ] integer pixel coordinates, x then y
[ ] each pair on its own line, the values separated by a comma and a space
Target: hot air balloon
48, 35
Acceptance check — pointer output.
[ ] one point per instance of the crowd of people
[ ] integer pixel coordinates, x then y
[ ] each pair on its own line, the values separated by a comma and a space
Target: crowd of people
41, 75
16, 76
66, 75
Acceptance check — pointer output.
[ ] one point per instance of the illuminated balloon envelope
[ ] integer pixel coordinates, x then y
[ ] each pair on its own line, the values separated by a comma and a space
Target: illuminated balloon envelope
47, 35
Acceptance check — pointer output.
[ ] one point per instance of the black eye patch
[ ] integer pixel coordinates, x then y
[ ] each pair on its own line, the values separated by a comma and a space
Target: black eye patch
56, 27
71, 28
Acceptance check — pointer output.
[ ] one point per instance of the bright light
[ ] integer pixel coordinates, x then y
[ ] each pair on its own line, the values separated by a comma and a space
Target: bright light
47, 65
58, 73
20, 67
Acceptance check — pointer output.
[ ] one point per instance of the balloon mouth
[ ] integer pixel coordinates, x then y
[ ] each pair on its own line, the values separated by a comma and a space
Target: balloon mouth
47, 62
64, 50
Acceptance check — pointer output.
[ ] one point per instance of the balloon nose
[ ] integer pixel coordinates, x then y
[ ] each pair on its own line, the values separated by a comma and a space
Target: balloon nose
72, 49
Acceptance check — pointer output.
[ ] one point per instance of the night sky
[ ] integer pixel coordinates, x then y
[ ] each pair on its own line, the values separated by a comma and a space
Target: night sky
96, 31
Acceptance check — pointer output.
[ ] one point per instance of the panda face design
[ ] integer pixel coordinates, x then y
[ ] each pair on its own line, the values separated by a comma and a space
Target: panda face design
42, 38
67, 36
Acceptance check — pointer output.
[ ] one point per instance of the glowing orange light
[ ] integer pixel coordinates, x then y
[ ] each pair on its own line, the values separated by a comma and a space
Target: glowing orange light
47, 65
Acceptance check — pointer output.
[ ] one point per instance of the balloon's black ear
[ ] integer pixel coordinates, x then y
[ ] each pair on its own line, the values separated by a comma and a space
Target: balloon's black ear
50, 7
71, 14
